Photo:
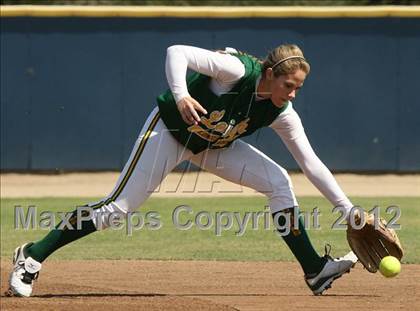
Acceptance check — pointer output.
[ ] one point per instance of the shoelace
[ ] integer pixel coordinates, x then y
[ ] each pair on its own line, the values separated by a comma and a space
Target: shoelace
327, 250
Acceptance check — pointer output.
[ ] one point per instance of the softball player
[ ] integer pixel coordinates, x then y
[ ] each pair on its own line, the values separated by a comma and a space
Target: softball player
201, 118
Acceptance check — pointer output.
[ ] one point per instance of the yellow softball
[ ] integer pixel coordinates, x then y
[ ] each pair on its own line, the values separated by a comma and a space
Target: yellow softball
390, 266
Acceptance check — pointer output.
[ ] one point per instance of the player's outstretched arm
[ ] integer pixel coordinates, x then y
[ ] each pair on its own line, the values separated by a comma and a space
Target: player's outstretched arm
369, 242
289, 127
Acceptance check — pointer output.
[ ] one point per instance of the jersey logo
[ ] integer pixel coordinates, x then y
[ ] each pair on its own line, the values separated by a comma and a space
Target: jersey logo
219, 132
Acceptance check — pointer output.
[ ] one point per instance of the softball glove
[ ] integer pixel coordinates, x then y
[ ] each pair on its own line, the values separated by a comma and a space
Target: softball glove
371, 244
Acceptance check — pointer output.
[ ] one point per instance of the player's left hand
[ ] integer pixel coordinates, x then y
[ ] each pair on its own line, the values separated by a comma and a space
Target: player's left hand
371, 244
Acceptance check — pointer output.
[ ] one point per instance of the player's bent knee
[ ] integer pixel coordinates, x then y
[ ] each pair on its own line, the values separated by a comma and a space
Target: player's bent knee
109, 214
281, 185
282, 195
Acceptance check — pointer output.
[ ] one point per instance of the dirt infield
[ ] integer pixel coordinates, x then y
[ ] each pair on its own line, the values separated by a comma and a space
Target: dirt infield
202, 285
195, 184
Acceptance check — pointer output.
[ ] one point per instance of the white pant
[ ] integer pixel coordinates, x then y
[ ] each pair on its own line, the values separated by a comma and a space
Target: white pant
156, 153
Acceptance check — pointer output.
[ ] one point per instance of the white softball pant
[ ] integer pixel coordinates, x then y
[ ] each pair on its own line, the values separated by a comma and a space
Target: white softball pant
156, 153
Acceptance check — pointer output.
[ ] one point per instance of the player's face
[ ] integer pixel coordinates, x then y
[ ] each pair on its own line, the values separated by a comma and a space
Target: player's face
285, 87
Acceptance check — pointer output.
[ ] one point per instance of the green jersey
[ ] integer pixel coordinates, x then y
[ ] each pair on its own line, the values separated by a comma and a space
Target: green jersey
229, 116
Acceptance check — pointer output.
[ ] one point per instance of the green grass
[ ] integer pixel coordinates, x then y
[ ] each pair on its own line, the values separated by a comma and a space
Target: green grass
172, 243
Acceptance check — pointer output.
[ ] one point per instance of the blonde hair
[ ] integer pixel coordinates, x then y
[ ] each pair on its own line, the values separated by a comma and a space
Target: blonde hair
285, 59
